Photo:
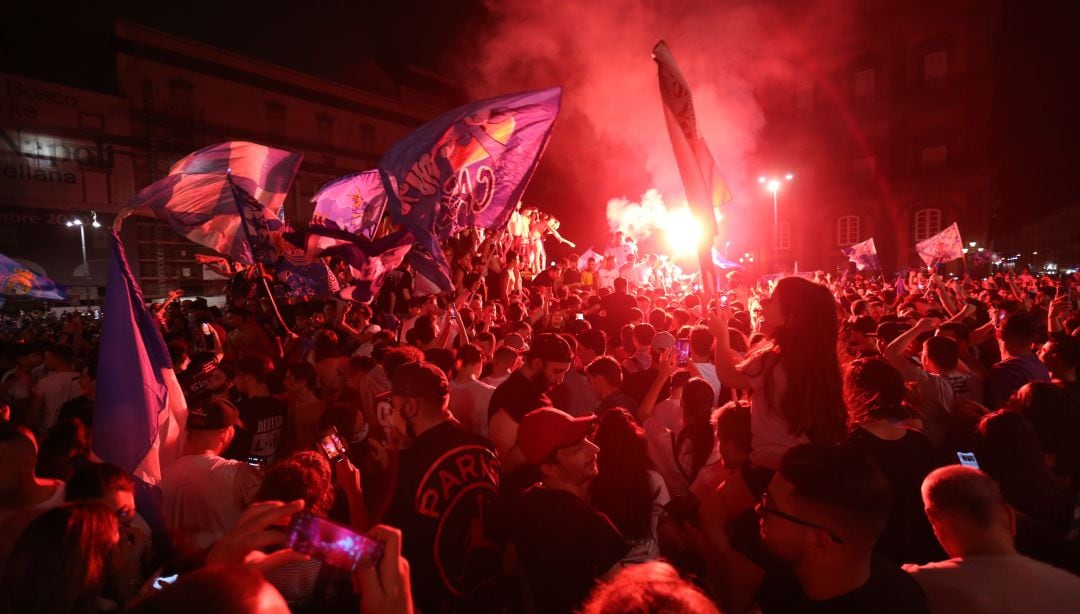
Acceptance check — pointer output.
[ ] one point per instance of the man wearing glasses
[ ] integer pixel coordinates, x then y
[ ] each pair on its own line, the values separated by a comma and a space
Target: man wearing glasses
819, 519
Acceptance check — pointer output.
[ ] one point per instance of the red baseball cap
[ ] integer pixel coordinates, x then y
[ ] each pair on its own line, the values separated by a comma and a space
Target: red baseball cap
544, 430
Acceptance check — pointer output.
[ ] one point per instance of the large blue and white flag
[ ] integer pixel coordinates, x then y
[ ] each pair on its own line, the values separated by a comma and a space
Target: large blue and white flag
353, 203
17, 280
864, 255
197, 200
943, 247
139, 407
470, 166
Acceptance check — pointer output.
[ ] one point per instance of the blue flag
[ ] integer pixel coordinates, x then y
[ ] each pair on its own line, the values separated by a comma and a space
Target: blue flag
196, 199
137, 393
864, 255
354, 203
17, 280
470, 166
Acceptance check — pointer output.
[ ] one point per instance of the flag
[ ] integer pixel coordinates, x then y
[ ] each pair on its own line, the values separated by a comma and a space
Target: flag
864, 255
293, 273
945, 246
196, 199
470, 166
720, 262
139, 407
427, 259
17, 280
583, 260
705, 189
371, 263
354, 203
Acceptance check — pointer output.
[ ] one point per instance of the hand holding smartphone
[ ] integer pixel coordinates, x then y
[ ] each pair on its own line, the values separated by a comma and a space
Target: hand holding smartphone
682, 352
333, 446
332, 543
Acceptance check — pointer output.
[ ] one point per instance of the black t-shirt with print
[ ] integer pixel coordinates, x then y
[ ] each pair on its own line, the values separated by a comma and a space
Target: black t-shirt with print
564, 545
444, 503
264, 427
890, 590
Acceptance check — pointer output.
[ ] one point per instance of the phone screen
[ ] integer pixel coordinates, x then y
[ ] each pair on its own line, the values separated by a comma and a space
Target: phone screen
723, 300
579, 316
162, 581
682, 352
967, 459
333, 446
206, 328
332, 543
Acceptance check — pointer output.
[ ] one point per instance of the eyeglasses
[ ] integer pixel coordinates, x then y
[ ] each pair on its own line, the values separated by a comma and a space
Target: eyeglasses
768, 506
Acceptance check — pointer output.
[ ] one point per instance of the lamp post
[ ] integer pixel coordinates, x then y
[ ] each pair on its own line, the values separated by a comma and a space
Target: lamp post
77, 222
772, 184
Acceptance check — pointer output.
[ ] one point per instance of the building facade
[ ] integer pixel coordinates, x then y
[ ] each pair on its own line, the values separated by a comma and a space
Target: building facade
66, 152
888, 137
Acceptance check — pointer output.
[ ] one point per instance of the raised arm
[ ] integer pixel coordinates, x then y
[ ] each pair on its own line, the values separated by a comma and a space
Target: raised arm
726, 370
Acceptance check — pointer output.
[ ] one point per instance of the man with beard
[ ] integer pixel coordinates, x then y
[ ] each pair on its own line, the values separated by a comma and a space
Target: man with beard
819, 518
564, 544
445, 496
546, 363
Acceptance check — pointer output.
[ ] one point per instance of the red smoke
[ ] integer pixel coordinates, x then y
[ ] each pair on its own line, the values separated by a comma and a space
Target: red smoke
611, 140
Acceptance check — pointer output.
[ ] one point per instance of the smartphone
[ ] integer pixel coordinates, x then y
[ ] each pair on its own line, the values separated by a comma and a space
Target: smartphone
682, 352
1001, 316
967, 459
723, 300
161, 582
333, 446
206, 329
332, 543
452, 310
579, 316
257, 462
922, 286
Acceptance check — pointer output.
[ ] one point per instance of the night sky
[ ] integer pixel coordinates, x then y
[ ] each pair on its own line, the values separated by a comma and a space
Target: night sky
1037, 105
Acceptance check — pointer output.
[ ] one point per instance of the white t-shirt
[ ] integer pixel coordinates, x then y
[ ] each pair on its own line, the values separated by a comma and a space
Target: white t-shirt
649, 549
1001, 584
770, 434
55, 390
607, 277
469, 404
204, 496
707, 371
495, 382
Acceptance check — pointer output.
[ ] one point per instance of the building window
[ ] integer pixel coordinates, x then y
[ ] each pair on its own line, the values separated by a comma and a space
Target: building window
324, 128
864, 85
181, 98
864, 166
935, 68
936, 155
782, 240
367, 138
927, 223
847, 230
275, 118
804, 99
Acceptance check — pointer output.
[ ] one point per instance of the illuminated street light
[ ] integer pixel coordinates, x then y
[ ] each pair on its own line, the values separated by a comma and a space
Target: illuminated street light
972, 244
773, 184
76, 222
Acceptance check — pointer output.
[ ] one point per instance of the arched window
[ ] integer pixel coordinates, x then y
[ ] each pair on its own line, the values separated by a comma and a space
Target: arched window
927, 223
847, 230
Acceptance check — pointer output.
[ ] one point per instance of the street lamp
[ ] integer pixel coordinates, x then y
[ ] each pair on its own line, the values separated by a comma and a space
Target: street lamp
77, 222
772, 184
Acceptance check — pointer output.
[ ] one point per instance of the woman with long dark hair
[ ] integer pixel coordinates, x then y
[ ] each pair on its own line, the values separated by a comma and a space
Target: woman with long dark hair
65, 561
796, 396
626, 487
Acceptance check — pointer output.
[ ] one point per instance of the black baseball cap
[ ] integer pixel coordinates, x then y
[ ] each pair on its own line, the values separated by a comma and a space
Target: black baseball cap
214, 415
422, 380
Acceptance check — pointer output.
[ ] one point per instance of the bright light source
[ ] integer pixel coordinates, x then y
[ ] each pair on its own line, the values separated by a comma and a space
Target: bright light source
789, 176
773, 186
761, 179
965, 250
684, 232
68, 224
971, 244
94, 223
77, 222
1034, 253
980, 249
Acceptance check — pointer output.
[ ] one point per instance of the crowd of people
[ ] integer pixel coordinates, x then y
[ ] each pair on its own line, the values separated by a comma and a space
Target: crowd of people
595, 436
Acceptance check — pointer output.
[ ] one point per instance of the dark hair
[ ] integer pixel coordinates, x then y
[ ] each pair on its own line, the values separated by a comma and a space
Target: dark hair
944, 351
594, 339
304, 372
258, 366
732, 423
607, 368
303, 475
93, 480
644, 333
1021, 328
397, 356
1056, 422
1008, 450
442, 358
701, 341
326, 345
61, 561
843, 481
470, 354
874, 389
813, 401
623, 489
698, 401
